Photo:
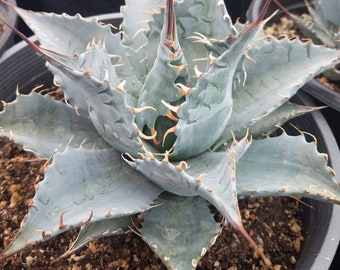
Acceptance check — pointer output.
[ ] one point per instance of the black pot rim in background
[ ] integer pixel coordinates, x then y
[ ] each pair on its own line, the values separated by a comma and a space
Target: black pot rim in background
313, 87
21, 66
331, 98
10, 16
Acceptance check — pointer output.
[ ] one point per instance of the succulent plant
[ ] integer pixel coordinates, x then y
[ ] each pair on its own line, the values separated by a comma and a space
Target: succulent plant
322, 26
170, 112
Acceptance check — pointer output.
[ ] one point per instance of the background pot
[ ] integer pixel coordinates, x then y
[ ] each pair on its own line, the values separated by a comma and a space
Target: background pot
322, 96
314, 87
8, 14
22, 67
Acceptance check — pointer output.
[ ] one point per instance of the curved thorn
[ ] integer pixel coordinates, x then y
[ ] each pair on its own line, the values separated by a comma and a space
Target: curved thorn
89, 218
171, 116
170, 130
62, 225
181, 165
154, 133
141, 109
212, 59
175, 109
183, 90
180, 68
146, 137
44, 234
198, 73
131, 158
198, 179
166, 156
120, 87
109, 213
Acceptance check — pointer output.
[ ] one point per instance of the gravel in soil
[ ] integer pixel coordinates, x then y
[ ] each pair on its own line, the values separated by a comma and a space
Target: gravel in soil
274, 223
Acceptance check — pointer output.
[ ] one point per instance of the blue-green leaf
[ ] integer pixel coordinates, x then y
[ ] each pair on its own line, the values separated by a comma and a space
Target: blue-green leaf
83, 186
286, 165
44, 125
179, 230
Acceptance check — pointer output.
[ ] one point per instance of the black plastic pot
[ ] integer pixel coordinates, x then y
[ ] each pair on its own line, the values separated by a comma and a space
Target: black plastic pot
22, 67
322, 96
314, 87
8, 14
84, 7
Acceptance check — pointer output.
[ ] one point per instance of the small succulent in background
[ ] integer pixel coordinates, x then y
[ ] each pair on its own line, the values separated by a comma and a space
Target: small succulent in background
322, 26
171, 112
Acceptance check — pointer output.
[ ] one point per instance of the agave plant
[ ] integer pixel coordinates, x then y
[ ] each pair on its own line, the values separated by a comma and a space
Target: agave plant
322, 26
171, 112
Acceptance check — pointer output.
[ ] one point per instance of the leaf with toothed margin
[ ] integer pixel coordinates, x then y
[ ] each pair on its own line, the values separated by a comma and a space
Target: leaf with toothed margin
287, 165
93, 64
210, 175
171, 66
322, 24
98, 184
209, 18
208, 106
268, 123
107, 106
49, 27
297, 63
180, 230
137, 17
56, 32
43, 125
99, 229
193, 16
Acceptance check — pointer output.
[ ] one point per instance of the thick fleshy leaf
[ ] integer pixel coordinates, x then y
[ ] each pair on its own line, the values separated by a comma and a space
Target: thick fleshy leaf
254, 98
266, 124
284, 166
65, 26
180, 230
208, 106
137, 17
324, 22
107, 109
170, 65
96, 185
44, 125
99, 229
210, 175
144, 20
208, 18
49, 27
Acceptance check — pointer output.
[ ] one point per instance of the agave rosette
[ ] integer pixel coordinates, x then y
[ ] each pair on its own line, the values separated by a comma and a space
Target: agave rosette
169, 112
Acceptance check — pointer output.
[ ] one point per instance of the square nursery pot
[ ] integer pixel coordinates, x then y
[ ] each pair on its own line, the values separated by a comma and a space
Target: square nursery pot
20, 66
7, 35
